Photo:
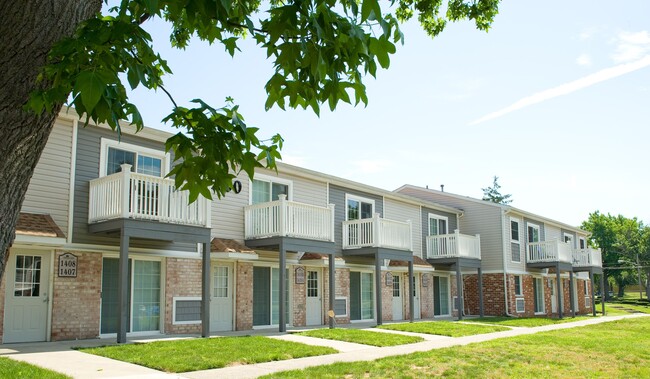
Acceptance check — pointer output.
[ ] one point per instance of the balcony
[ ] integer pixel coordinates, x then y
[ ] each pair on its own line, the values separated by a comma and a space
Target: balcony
453, 246
548, 253
377, 232
136, 196
283, 218
586, 258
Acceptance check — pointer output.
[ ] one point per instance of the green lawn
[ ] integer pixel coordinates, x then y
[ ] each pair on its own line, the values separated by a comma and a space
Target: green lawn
617, 349
526, 322
208, 353
10, 368
444, 328
614, 309
362, 336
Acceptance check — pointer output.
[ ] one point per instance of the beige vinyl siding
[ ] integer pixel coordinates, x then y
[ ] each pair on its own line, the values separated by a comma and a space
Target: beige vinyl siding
305, 191
553, 232
394, 210
522, 246
228, 212
49, 188
479, 218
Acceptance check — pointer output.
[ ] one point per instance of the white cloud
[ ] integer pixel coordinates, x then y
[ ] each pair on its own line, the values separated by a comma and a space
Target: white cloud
631, 46
584, 60
586, 33
567, 88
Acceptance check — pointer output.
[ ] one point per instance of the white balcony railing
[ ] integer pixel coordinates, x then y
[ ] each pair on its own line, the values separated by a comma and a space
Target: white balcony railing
550, 251
453, 246
282, 218
587, 258
131, 195
377, 232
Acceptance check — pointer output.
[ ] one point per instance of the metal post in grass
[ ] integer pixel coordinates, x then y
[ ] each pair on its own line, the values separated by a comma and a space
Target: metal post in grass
411, 292
282, 296
205, 290
332, 281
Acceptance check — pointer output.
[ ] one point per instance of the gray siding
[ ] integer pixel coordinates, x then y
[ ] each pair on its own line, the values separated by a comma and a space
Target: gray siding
49, 188
337, 197
483, 219
575, 237
399, 211
228, 212
424, 223
87, 168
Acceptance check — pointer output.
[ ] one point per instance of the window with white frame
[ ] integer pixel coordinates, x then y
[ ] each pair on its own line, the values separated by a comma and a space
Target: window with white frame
519, 290
533, 233
358, 208
568, 238
143, 160
515, 247
265, 189
438, 225
583, 242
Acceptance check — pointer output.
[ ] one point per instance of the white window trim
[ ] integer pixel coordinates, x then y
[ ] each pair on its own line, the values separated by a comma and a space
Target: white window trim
437, 217
520, 300
347, 306
181, 298
518, 230
521, 285
534, 226
106, 143
582, 239
270, 179
541, 281
359, 199
571, 237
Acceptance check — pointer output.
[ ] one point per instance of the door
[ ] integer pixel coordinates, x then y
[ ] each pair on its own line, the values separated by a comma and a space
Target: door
416, 300
221, 297
574, 285
398, 302
26, 297
441, 296
314, 299
553, 296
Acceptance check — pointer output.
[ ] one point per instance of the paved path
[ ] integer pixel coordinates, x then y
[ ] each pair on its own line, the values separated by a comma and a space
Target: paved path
60, 357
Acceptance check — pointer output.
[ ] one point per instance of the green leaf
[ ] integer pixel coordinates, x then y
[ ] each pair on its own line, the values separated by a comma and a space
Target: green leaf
91, 87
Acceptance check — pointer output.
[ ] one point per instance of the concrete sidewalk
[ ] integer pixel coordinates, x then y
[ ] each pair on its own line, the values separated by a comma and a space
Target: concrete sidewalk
59, 356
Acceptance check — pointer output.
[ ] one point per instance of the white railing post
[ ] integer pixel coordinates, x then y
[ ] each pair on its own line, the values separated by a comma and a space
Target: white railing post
478, 246
126, 189
282, 219
331, 207
376, 230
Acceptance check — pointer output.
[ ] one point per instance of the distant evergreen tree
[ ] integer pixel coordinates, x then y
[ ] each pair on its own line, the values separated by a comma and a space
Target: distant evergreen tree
492, 194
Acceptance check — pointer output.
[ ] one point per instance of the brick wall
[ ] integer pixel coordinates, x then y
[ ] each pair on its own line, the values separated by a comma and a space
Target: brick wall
244, 298
76, 301
386, 298
183, 279
299, 301
426, 295
342, 276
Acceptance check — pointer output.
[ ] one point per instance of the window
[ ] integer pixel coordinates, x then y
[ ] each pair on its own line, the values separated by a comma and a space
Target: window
186, 310
221, 281
533, 233
437, 224
520, 304
514, 230
568, 238
28, 276
142, 160
265, 189
583, 243
586, 287
518, 286
538, 288
396, 286
359, 208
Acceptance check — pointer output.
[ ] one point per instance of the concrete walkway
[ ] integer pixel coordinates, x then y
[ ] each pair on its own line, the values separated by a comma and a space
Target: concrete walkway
60, 357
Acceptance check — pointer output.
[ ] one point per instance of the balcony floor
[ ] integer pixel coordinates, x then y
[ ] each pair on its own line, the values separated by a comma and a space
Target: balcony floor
463, 262
292, 244
152, 230
563, 266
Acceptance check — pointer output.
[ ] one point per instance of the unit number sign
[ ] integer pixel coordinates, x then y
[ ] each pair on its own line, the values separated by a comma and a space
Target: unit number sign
68, 265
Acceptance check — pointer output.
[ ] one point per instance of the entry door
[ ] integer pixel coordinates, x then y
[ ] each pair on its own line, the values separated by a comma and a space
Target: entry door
222, 299
553, 296
314, 298
398, 302
440, 296
416, 300
26, 297
574, 285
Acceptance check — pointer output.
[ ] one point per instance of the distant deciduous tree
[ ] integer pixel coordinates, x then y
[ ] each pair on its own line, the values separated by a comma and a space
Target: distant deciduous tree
494, 195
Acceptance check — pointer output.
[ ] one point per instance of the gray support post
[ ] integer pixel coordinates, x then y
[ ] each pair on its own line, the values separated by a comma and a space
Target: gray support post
559, 293
572, 295
123, 288
282, 295
480, 293
205, 290
411, 293
332, 282
459, 290
593, 297
378, 287
602, 290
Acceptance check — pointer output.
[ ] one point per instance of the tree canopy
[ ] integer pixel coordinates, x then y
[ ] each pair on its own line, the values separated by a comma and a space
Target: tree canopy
494, 195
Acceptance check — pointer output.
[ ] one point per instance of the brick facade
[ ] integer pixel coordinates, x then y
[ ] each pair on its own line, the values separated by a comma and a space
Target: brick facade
244, 298
386, 298
299, 299
183, 279
426, 295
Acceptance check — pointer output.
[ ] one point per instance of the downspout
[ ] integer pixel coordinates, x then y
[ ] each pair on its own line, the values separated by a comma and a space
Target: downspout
504, 240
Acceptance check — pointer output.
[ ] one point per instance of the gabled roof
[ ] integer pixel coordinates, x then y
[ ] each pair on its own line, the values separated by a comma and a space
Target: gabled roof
224, 245
38, 225
505, 208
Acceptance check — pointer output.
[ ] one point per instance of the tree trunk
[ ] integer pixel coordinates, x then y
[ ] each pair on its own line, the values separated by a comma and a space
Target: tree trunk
29, 28
647, 285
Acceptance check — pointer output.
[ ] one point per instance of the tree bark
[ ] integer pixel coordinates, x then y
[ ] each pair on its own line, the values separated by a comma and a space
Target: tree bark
28, 30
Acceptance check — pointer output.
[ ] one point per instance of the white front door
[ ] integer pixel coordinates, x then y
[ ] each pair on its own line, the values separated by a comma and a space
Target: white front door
398, 303
553, 296
222, 297
574, 285
26, 297
314, 298
416, 300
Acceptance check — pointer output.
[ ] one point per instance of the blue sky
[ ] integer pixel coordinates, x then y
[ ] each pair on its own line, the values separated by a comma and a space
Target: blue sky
554, 100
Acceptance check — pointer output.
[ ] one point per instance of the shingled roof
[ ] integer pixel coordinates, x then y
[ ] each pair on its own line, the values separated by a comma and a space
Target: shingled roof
38, 225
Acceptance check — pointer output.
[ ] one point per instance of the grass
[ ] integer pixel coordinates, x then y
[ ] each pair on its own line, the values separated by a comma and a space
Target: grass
613, 309
444, 328
525, 322
208, 353
617, 349
10, 368
362, 336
